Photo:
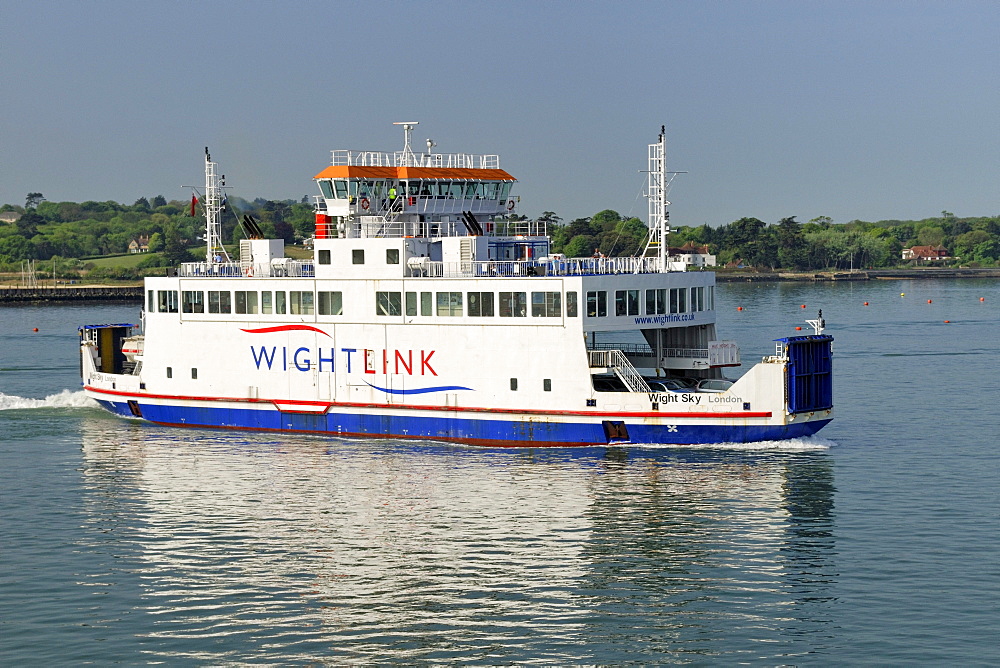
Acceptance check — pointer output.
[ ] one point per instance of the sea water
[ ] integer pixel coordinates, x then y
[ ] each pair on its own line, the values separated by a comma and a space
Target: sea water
877, 541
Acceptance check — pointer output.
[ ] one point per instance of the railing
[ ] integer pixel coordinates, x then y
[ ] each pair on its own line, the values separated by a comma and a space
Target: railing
347, 157
281, 268
562, 267
617, 362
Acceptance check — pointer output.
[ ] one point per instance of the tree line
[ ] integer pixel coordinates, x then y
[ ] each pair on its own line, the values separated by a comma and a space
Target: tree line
77, 232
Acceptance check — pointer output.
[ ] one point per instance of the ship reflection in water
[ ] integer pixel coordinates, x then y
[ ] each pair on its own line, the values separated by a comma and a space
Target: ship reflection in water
287, 548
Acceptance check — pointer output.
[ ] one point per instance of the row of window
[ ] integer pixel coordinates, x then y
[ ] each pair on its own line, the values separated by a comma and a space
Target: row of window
358, 256
657, 302
475, 304
278, 302
380, 188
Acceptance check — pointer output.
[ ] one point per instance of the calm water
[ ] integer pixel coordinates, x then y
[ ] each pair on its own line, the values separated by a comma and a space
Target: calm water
877, 543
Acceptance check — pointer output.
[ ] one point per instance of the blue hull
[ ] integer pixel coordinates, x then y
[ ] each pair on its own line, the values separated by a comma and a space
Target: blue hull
453, 428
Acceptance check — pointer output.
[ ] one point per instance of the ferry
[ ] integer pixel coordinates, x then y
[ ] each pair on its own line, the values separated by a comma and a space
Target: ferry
430, 311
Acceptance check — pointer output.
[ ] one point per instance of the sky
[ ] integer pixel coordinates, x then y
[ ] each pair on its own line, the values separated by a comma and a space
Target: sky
853, 110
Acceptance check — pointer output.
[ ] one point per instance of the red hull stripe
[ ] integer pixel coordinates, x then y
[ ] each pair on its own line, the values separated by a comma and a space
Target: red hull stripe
459, 409
286, 328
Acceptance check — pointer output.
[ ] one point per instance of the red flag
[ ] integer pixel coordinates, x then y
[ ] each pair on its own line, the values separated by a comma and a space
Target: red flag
194, 201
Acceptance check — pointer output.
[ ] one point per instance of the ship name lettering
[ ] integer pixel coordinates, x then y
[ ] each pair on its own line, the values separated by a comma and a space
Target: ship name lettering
266, 358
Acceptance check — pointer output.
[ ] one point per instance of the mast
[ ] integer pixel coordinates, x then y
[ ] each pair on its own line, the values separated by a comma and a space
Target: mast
213, 209
657, 194
408, 158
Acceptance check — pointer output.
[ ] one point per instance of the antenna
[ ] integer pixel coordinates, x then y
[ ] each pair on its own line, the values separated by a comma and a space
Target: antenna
408, 159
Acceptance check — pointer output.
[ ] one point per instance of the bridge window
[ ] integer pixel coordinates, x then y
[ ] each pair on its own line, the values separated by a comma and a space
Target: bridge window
168, 301
411, 303
392, 256
597, 304
358, 256
193, 301
513, 305
220, 301
324, 257
279, 302
426, 303
246, 302
388, 303
678, 300
341, 189
571, 307
301, 303
546, 305
265, 302
449, 303
330, 303
480, 304
326, 189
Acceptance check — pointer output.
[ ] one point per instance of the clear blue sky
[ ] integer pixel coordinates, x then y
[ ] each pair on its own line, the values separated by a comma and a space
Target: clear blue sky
868, 110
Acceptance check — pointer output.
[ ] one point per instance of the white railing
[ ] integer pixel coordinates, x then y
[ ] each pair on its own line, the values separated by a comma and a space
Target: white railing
617, 362
562, 267
281, 268
347, 157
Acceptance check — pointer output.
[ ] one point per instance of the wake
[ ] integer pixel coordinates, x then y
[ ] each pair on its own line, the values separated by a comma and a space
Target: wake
793, 444
65, 399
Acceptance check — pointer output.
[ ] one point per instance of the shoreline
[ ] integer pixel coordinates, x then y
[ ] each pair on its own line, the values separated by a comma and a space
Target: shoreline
130, 293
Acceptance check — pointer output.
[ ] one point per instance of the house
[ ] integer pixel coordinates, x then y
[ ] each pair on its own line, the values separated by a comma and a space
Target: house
692, 255
9, 217
922, 254
139, 245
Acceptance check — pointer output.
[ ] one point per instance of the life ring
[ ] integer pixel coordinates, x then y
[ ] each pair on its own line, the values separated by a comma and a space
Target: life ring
364, 203
249, 272
510, 205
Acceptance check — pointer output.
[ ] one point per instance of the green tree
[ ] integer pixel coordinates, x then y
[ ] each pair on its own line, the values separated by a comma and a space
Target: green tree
32, 200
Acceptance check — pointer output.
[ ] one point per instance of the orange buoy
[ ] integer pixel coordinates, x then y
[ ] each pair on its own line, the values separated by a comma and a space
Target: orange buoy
798, 328
928, 301
866, 303
35, 329
982, 299
739, 308
947, 321
803, 306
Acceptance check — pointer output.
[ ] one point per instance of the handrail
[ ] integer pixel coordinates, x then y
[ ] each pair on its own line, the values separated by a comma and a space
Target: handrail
561, 267
619, 364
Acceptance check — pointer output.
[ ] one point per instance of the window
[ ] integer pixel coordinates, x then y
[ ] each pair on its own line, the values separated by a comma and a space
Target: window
301, 303
392, 256
513, 384
571, 307
358, 256
170, 372
481, 304
194, 374
151, 302
246, 302
265, 302
411, 303
219, 301
330, 303
547, 384
193, 301
449, 303
279, 302
697, 299
656, 302
546, 305
678, 300
597, 304
426, 303
324, 257
388, 303
513, 305
168, 301
710, 298
626, 302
